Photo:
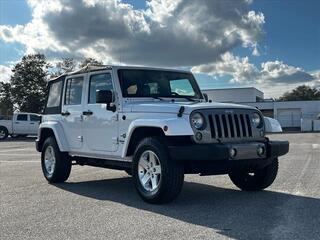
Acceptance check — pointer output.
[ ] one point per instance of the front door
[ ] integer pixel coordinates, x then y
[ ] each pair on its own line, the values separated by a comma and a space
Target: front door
21, 124
100, 126
72, 111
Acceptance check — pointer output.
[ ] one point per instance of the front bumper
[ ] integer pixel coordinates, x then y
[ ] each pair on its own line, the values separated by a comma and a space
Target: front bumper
221, 151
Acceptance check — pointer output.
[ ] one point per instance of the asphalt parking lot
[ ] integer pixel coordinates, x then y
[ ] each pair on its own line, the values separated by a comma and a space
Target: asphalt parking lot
102, 204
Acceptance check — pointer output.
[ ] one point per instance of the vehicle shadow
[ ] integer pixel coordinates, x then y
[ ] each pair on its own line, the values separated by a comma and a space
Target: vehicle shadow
232, 213
19, 139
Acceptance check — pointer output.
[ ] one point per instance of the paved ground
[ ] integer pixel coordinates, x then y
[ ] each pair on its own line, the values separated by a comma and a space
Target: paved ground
102, 204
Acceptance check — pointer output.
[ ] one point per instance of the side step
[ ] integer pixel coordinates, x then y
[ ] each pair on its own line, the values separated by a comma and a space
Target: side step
103, 163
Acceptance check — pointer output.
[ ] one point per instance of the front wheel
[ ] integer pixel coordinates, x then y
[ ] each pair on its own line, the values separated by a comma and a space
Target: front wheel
3, 133
56, 165
256, 180
158, 179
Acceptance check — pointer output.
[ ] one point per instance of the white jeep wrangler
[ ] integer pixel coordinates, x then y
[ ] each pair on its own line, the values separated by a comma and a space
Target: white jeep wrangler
156, 125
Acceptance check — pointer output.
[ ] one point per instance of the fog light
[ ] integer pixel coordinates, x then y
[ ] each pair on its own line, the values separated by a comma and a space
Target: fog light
260, 150
199, 136
232, 152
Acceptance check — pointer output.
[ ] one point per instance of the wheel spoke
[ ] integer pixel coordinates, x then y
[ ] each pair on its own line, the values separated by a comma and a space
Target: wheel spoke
157, 169
154, 182
145, 179
152, 159
144, 163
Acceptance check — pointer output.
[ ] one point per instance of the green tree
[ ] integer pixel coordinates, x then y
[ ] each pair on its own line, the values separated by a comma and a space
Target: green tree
87, 61
6, 104
64, 66
301, 93
28, 83
69, 64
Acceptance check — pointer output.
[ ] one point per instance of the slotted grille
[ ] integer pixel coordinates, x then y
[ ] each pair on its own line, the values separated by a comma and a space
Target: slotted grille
230, 125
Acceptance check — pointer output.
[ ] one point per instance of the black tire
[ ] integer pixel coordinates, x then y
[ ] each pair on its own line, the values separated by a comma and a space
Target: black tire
62, 166
258, 180
4, 133
172, 173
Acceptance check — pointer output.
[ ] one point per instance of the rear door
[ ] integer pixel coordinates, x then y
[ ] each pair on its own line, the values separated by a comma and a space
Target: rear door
21, 124
72, 110
100, 126
34, 121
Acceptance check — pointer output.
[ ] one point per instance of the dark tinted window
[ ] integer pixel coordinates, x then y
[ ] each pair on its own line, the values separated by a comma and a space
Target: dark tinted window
54, 98
22, 117
74, 91
34, 118
99, 82
148, 83
55, 94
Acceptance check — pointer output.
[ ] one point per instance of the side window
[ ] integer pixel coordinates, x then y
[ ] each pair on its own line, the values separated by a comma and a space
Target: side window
34, 118
54, 98
99, 82
22, 117
73, 94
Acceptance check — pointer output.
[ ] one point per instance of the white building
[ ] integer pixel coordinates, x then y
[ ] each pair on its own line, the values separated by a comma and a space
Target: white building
290, 114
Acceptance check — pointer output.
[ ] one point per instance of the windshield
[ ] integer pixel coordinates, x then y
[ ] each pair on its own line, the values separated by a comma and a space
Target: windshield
156, 83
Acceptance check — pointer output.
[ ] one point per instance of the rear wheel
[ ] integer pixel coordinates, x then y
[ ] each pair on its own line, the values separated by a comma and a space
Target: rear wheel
56, 165
3, 133
157, 178
257, 180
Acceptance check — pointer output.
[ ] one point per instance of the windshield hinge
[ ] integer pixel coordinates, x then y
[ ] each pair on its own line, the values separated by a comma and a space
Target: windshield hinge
181, 111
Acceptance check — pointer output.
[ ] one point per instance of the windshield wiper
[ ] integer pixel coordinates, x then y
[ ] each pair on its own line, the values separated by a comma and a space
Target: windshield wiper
190, 99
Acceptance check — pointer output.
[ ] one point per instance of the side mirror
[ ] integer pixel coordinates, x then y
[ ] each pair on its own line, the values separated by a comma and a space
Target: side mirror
107, 97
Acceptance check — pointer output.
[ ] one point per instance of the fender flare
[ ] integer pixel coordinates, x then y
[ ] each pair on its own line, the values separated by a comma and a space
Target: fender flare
58, 134
173, 126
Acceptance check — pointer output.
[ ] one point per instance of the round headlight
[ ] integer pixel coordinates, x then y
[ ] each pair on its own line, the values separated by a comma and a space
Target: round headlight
256, 120
197, 121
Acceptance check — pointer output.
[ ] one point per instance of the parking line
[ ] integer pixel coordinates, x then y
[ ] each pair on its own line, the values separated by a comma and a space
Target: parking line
316, 146
19, 154
15, 161
15, 150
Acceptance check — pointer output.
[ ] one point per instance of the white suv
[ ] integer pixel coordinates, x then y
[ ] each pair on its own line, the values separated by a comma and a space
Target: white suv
157, 126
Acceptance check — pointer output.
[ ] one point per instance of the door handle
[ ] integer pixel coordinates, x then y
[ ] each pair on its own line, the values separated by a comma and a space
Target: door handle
87, 113
16, 122
32, 123
65, 114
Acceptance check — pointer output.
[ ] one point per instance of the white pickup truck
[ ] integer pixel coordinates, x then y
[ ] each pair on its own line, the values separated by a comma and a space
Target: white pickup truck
21, 124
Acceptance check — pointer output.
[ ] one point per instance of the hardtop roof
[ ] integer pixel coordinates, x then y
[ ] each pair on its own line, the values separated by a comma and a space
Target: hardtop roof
93, 68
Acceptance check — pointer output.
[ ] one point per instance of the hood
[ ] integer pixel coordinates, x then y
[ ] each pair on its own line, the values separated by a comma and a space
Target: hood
173, 107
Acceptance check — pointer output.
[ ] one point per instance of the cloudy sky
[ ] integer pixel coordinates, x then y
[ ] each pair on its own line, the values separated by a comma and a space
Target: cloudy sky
273, 45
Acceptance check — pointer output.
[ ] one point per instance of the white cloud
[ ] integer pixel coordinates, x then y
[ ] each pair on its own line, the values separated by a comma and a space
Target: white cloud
167, 32
274, 77
241, 70
5, 73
